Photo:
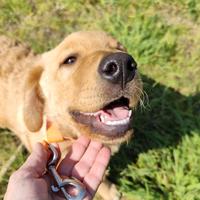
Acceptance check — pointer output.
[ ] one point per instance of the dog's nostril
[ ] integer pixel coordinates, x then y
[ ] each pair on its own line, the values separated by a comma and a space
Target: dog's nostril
110, 69
131, 66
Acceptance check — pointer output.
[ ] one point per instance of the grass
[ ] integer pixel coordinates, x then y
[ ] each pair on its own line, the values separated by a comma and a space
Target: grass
162, 161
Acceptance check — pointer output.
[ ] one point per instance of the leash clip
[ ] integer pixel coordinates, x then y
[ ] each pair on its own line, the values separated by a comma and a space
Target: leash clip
63, 183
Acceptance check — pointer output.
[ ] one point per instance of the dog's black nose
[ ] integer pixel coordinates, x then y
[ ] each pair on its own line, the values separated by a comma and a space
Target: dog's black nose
118, 68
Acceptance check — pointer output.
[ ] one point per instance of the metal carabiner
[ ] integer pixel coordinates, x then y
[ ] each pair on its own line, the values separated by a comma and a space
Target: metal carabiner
62, 184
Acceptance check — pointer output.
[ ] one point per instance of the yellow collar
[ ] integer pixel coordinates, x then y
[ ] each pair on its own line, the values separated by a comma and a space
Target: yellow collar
53, 134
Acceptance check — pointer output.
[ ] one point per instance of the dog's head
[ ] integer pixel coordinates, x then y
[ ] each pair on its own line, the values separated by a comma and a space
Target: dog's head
87, 85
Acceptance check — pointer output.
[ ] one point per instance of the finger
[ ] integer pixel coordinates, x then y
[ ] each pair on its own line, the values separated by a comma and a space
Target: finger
76, 152
37, 161
83, 166
93, 179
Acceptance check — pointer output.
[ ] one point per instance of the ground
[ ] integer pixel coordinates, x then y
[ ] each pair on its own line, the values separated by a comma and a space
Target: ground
163, 159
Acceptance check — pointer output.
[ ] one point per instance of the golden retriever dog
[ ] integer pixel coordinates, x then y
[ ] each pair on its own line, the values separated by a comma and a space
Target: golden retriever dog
87, 85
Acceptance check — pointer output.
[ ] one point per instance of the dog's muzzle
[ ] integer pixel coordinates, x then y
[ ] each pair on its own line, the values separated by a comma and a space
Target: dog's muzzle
114, 118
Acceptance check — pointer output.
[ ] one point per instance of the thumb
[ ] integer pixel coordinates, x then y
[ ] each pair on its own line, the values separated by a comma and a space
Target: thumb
37, 161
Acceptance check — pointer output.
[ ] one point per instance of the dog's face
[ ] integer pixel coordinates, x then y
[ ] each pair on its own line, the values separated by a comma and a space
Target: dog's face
87, 85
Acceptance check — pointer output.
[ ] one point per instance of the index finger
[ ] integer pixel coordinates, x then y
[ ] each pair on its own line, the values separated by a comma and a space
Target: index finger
73, 156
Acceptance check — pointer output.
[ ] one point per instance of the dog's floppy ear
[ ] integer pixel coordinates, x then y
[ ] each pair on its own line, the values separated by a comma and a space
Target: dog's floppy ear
33, 101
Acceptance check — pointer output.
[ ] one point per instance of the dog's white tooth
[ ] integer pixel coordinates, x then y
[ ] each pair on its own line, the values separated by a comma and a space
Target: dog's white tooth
86, 113
95, 114
102, 118
114, 123
124, 121
111, 123
106, 117
119, 122
130, 113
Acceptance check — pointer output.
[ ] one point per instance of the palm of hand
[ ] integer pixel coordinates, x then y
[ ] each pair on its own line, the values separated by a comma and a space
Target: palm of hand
86, 161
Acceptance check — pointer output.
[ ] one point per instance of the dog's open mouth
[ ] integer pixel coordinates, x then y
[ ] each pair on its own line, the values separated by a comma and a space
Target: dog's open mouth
113, 120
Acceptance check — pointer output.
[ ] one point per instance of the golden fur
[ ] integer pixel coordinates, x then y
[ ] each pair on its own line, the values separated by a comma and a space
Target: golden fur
35, 89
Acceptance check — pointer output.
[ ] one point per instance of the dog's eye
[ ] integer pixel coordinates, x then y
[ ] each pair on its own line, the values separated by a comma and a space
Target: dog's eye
70, 60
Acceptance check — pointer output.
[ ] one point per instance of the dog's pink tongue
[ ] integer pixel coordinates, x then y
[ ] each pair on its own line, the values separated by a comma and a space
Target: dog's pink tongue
118, 113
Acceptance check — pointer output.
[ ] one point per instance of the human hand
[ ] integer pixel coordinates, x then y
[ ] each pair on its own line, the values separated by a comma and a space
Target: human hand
86, 161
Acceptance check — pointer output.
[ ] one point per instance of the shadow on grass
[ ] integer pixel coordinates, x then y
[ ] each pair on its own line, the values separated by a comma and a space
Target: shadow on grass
167, 119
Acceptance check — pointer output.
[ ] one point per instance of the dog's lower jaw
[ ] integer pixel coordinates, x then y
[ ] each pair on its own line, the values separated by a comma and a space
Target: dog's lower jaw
74, 130
82, 129
117, 141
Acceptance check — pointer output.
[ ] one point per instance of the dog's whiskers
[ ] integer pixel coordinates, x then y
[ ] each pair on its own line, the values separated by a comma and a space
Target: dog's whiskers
142, 97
